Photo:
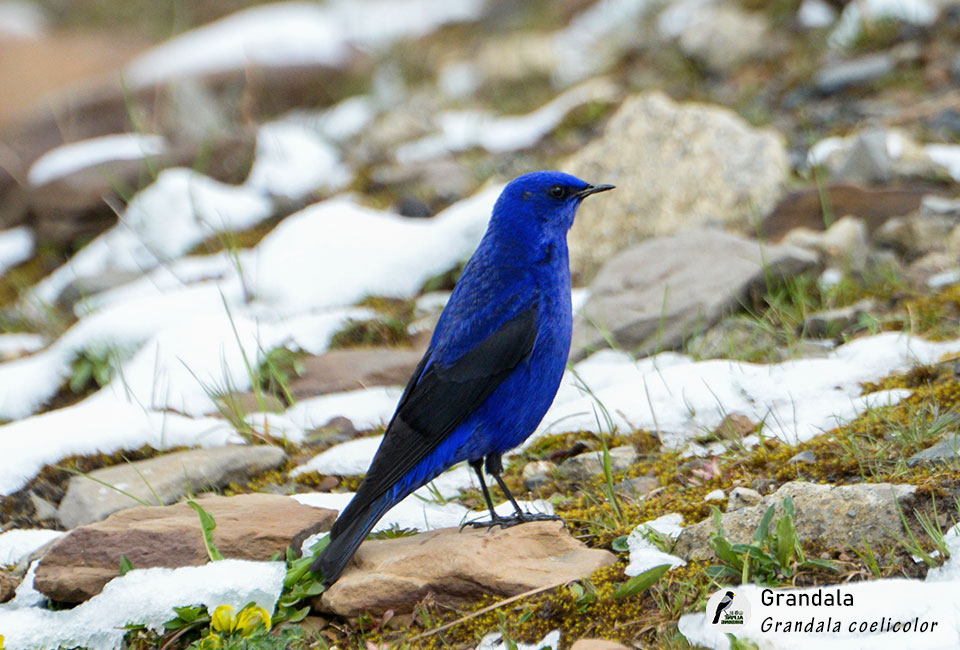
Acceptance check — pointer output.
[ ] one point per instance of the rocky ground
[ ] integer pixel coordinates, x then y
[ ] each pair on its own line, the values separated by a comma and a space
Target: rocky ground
225, 239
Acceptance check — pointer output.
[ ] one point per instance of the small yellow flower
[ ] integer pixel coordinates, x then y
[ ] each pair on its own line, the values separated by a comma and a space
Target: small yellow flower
224, 619
251, 618
211, 642
1, 642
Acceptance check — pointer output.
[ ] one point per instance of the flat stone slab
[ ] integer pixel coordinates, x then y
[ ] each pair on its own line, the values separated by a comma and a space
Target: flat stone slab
249, 527
168, 477
457, 567
652, 296
945, 451
836, 515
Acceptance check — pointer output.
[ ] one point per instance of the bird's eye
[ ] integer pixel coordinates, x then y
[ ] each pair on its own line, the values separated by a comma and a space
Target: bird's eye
558, 191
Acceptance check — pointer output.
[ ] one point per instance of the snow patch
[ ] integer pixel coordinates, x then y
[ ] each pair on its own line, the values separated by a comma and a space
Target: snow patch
18, 544
295, 33
142, 596
75, 156
16, 246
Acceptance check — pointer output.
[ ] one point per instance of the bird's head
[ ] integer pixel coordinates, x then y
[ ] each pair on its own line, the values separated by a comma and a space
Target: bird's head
544, 201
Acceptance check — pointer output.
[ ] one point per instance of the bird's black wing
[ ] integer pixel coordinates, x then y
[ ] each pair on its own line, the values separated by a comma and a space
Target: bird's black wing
439, 398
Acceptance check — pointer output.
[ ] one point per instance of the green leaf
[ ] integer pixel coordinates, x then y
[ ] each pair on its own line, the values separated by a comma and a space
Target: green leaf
820, 564
125, 565
786, 540
82, 373
763, 529
620, 544
207, 524
642, 582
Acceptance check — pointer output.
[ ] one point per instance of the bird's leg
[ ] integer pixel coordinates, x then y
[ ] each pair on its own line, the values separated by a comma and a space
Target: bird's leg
495, 519
494, 467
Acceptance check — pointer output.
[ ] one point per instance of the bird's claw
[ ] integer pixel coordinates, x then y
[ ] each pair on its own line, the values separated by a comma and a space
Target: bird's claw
512, 520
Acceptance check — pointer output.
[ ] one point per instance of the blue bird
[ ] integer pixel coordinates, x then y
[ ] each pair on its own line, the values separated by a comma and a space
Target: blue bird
492, 368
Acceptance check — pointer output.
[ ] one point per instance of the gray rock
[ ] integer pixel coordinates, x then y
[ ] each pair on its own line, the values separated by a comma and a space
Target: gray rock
807, 457
843, 516
723, 36
945, 451
869, 160
833, 322
654, 295
837, 76
537, 473
844, 244
638, 487
583, 466
165, 479
677, 167
742, 497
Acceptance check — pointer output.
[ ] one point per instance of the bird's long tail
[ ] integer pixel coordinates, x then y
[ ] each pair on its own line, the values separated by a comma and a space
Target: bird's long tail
349, 531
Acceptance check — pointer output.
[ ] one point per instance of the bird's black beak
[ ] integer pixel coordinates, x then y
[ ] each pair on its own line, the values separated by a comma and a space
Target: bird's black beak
593, 189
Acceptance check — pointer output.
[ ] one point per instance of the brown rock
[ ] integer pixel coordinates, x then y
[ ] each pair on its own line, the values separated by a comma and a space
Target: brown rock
8, 586
455, 567
249, 526
734, 427
340, 370
597, 644
841, 516
804, 208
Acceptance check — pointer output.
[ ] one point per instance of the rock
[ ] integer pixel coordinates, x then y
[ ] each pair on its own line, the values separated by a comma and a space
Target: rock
351, 369
249, 526
807, 457
597, 644
804, 208
931, 264
456, 568
953, 242
677, 166
742, 497
537, 473
915, 235
722, 37
737, 337
837, 515
832, 323
861, 70
844, 244
660, 292
945, 451
875, 155
638, 487
8, 586
337, 430
583, 466
734, 427
167, 478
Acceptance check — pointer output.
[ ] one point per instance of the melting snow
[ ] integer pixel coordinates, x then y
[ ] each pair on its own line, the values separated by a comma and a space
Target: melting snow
295, 33
462, 130
644, 554
850, 25
17, 544
142, 596
69, 158
293, 159
16, 246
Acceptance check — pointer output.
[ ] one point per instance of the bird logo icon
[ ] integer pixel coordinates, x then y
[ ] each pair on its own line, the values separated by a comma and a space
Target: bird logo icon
723, 605
727, 608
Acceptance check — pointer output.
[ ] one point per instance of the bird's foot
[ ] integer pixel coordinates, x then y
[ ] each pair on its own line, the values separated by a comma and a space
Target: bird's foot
513, 520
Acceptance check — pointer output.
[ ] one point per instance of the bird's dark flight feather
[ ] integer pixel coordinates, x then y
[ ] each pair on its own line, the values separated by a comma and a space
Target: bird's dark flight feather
436, 401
